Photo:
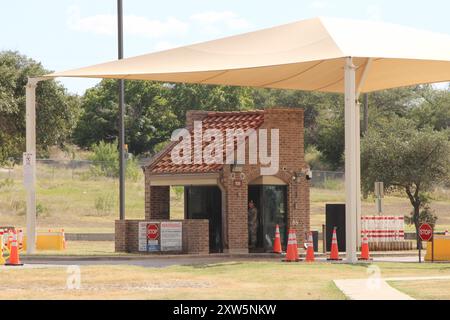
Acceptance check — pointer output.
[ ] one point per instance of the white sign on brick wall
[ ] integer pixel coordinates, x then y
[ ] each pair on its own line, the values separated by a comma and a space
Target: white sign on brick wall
171, 236
142, 235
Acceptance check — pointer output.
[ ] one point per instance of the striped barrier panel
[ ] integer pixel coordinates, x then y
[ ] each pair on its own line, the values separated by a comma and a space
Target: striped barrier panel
383, 228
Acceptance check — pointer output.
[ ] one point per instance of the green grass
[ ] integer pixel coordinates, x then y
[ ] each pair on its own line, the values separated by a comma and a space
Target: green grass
424, 290
230, 280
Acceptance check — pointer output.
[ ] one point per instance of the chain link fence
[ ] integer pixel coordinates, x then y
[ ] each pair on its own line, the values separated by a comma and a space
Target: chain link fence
80, 169
327, 179
49, 169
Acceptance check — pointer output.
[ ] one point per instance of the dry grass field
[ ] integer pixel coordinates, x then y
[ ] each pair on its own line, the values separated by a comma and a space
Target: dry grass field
231, 280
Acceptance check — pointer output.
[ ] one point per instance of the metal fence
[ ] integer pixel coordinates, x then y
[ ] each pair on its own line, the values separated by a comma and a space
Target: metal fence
76, 169
327, 179
55, 169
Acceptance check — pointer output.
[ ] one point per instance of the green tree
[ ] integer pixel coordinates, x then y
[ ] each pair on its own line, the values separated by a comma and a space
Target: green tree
405, 158
433, 109
57, 112
153, 110
314, 104
105, 158
184, 97
397, 101
149, 118
331, 136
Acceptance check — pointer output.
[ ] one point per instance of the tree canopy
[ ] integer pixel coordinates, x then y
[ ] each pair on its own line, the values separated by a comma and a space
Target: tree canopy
153, 110
57, 112
407, 158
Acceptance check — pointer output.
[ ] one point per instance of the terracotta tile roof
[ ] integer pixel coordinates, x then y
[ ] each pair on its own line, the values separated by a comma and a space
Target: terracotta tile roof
162, 163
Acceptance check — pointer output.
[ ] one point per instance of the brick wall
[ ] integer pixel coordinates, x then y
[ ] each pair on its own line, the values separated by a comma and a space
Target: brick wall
289, 122
120, 237
194, 115
236, 196
157, 202
195, 235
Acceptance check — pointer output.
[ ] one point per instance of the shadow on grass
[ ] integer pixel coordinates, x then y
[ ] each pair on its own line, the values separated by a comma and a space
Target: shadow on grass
215, 265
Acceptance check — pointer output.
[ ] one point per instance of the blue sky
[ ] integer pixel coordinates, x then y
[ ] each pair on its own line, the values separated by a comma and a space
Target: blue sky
65, 34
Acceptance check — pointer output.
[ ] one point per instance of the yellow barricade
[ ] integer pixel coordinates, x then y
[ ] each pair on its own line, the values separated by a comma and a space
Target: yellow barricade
47, 241
441, 249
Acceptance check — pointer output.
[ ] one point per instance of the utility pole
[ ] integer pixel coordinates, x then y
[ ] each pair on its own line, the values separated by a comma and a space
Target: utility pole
366, 114
122, 163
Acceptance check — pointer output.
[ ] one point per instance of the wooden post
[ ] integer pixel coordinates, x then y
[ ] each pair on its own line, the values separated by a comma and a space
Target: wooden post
324, 239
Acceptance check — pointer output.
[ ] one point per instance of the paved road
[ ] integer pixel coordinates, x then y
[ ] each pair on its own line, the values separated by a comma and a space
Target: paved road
156, 262
150, 263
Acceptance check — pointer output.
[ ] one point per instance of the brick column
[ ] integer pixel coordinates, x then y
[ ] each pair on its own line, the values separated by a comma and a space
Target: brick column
120, 237
237, 212
298, 208
157, 202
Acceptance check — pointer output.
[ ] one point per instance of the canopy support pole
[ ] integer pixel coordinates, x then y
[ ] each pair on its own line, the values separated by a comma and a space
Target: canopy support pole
30, 165
351, 161
122, 160
360, 86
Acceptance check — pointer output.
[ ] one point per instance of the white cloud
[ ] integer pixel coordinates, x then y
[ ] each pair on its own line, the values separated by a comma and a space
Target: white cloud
319, 4
209, 22
374, 12
442, 85
164, 45
214, 21
106, 24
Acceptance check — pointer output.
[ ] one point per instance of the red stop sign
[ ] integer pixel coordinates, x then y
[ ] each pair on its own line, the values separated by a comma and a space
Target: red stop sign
152, 231
425, 232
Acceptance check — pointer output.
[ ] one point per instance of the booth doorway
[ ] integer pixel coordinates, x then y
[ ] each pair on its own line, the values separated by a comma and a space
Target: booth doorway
271, 203
205, 202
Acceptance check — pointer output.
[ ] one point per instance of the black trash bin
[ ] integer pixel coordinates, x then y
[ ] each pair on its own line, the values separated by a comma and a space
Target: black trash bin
335, 217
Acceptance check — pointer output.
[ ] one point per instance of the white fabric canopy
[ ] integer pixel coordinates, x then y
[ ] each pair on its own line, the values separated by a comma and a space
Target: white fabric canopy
305, 55
321, 54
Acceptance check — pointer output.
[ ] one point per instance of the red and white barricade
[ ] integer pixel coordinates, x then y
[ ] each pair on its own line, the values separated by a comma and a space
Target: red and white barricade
383, 228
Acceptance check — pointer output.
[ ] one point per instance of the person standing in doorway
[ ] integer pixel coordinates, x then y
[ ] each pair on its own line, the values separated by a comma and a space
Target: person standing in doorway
252, 224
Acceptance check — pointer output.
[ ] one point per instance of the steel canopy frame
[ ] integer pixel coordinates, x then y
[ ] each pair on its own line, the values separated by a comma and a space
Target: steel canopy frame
396, 56
352, 159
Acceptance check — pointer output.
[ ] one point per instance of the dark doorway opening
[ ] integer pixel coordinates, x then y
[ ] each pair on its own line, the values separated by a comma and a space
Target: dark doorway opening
271, 204
206, 203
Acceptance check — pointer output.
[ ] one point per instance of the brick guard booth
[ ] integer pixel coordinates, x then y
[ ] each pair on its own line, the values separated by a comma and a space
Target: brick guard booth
216, 196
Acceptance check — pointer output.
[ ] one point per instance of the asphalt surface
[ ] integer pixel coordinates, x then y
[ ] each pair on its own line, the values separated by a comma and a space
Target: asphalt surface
186, 261
149, 263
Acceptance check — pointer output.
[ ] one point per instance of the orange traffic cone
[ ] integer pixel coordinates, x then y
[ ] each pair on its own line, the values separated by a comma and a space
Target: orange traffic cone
310, 249
14, 259
292, 248
365, 255
10, 237
276, 243
334, 256
2, 259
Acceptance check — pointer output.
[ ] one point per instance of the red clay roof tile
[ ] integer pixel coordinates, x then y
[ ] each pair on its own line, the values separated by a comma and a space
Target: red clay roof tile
222, 121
